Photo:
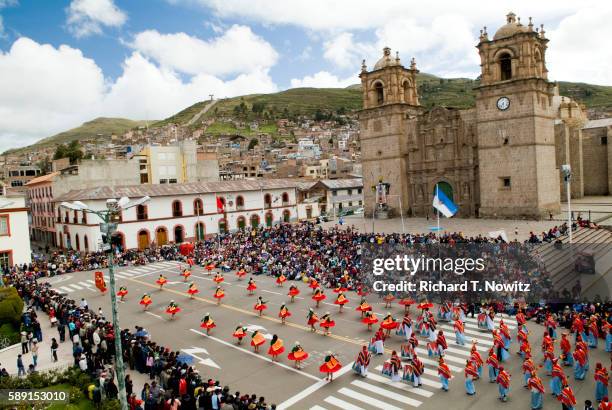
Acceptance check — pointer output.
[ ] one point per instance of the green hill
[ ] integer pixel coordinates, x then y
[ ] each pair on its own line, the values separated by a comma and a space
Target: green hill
449, 92
98, 128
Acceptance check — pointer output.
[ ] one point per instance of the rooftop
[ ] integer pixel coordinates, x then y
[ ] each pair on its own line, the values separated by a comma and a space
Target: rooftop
155, 190
43, 178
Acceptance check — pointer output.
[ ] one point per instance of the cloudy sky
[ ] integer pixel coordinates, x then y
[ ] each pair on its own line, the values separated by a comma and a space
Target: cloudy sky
63, 62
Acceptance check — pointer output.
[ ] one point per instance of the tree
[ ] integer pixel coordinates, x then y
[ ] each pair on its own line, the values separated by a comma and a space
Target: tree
72, 150
44, 165
253, 143
258, 107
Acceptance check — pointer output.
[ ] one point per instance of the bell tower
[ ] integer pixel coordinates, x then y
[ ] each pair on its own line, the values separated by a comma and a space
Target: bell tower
390, 104
515, 124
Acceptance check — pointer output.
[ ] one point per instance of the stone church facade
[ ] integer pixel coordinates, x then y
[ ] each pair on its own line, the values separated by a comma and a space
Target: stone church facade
498, 159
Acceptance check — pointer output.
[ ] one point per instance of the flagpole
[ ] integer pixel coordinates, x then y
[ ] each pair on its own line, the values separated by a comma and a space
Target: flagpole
438, 212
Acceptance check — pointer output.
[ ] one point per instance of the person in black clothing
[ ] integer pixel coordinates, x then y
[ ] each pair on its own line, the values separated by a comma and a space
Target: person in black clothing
129, 385
111, 389
54, 347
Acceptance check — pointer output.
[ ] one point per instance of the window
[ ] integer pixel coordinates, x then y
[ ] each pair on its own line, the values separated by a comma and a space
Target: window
30, 172
84, 218
5, 260
505, 66
350, 204
350, 192
334, 193
16, 183
604, 140
285, 198
239, 202
144, 178
198, 209
142, 212
268, 200
177, 208
505, 182
163, 181
172, 181
4, 226
75, 217
360, 203
380, 94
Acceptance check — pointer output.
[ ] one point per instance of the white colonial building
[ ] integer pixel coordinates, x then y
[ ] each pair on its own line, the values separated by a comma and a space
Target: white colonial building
176, 212
14, 230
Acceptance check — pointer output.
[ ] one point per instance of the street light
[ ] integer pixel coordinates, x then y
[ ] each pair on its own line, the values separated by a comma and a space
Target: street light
566, 170
108, 227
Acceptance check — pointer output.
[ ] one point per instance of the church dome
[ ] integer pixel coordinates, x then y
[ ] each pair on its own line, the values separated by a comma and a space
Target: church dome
386, 60
511, 28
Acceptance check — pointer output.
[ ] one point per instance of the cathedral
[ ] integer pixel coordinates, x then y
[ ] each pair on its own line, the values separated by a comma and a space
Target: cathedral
499, 159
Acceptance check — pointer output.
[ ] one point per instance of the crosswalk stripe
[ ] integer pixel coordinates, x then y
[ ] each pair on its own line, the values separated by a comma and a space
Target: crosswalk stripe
120, 275
400, 385
511, 323
317, 407
448, 358
85, 284
367, 399
345, 405
90, 281
74, 285
139, 270
127, 273
479, 346
386, 393
450, 366
470, 332
66, 289
424, 380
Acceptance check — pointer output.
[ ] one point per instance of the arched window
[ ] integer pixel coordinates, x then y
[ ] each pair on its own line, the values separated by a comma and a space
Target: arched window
179, 234
285, 198
380, 94
286, 215
539, 64
505, 66
67, 217
254, 220
86, 243
407, 91
161, 236
118, 240
268, 201
200, 231
143, 239
239, 202
198, 208
142, 212
241, 223
222, 226
77, 241
177, 208
75, 217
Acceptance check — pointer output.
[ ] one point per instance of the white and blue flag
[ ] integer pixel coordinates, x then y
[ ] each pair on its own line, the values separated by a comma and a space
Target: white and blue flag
443, 204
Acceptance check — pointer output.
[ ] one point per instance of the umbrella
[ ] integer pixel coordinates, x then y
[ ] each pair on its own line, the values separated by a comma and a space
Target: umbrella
184, 358
425, 305
141, 333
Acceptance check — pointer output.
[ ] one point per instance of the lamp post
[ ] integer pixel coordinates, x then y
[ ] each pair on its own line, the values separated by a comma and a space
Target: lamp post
566, 169
108, 226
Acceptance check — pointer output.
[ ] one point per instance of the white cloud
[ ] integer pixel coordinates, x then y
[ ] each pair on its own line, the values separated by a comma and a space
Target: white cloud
324, 79
442, 35
576, 51
87, 17
237, 50
3, 4
46, 90
2, 34
344, 52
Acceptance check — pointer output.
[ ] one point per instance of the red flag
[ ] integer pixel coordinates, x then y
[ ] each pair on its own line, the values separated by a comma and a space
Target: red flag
220, 205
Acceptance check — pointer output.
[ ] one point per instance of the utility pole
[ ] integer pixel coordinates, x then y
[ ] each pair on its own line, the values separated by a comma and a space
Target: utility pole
108, 226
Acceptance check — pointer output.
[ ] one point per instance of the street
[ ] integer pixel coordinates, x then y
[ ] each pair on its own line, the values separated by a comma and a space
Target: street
218, 356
